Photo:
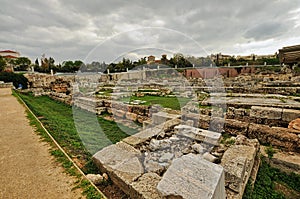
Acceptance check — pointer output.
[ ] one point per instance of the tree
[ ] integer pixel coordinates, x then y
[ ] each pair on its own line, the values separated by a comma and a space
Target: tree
2, 64
22, 63
37, 62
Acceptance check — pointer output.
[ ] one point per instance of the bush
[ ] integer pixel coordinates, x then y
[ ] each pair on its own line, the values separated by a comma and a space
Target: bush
15, 78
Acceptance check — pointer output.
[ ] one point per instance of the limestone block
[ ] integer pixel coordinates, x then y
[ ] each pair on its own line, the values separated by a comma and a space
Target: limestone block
119, 113
162, 117
266, 112
192, 177
121, 162
198, 134
289, 114
131, 116
145, 186
238, 161
143, 136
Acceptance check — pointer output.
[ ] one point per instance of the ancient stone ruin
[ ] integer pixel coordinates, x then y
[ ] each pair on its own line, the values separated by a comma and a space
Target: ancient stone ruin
210, 148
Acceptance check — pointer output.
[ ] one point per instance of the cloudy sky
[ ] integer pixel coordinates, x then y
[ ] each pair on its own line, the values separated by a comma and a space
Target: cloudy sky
107, 30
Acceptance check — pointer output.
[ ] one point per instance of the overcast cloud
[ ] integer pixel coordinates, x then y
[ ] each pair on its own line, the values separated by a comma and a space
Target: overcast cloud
71, 29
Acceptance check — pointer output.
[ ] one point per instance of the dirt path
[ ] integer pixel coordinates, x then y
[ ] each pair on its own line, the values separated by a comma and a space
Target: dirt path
27, 170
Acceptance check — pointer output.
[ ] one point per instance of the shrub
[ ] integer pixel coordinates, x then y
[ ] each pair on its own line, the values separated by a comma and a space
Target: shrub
15, 78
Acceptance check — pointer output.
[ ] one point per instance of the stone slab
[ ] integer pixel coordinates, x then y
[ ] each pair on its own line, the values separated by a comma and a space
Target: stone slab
161, 117
143, 136
192, 177
290, 114
266, 112
150, 132
122, 163
198, 134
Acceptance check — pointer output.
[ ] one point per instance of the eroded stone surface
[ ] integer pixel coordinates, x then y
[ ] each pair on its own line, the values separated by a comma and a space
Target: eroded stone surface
192, 177
145, 186
198, 134
238, 161
121, 162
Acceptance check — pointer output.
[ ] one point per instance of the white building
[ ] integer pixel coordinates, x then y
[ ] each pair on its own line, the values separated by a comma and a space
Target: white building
9, 54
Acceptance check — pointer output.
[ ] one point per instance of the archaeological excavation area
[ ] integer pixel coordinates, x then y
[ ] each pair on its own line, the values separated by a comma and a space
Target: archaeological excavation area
201, 133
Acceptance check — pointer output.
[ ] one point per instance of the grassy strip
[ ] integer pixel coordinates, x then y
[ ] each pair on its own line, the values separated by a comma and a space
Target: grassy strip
81, 182
174, 103
264, 186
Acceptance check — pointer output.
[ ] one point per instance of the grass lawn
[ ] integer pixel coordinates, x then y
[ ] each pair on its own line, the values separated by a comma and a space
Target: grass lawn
273, 183
79, 132
167, 102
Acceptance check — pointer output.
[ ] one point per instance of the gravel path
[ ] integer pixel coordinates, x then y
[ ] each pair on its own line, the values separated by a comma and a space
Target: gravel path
27, 170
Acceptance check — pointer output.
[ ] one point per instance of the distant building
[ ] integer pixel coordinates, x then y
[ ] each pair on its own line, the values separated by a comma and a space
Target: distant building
219, 58
9, 54
151, 59
290, 55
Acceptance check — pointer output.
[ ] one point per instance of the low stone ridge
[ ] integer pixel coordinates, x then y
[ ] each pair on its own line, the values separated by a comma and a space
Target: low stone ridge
192, 177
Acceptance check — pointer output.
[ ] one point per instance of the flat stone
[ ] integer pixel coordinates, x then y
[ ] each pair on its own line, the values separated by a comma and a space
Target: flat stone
198, 134
143, 136
121, 162
265, 112
145, 186
161, 117
192, 177
290, 114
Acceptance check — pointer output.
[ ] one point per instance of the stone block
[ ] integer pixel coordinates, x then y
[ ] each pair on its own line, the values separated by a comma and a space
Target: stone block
289, 114
192, 177
162, 117
266, 112
145, 186
198, 134
131, 116
238, 161
122, 163
144, 135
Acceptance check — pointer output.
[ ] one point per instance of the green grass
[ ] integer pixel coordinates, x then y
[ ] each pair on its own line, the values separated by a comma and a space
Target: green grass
79, 132
174, 103
264, 186
88, 189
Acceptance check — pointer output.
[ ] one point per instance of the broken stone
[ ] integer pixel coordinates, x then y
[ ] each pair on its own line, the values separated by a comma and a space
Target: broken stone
209, 157
198, 148
97, 179
121, 162
145, 186
295, 124
153, 167
198, 134
238, 162
166, 157
159, 144
192, 177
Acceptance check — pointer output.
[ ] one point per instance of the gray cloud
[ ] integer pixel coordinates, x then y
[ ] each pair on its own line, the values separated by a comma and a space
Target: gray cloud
70, 29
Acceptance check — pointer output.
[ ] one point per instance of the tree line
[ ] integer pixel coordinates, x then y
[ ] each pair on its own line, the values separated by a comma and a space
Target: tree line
45, 65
